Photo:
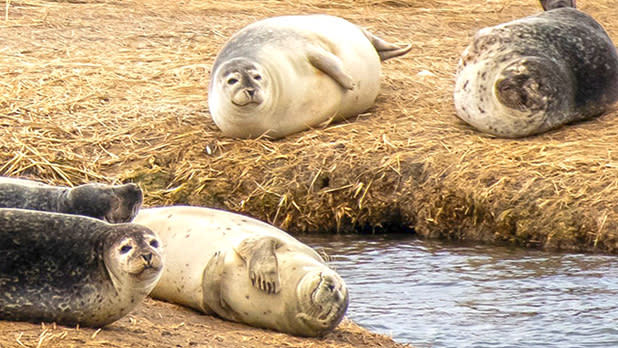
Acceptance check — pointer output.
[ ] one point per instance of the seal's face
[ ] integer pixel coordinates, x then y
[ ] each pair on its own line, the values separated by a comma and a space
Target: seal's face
114, 204
323, 299
133, 257
243, 82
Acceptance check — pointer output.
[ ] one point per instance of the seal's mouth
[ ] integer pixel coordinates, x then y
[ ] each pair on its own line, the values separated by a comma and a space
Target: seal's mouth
328, 296
149, 267
247, 97
147, 273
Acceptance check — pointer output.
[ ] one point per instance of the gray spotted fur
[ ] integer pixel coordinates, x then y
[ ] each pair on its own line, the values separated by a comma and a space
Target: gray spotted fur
572, 71
113, 203
52, 268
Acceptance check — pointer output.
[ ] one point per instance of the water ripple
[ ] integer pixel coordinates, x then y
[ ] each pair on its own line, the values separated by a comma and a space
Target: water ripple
435, 294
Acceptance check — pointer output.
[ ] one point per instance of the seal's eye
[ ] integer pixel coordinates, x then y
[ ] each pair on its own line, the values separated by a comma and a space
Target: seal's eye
232, 81
257, 77
154, 243
125, 249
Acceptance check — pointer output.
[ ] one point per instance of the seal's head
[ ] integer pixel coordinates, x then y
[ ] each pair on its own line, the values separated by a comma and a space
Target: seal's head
113, 204
323, 300
552, 4
243, 82
133, 257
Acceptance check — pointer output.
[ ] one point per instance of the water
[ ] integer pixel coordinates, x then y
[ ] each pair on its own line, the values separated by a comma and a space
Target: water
435, 294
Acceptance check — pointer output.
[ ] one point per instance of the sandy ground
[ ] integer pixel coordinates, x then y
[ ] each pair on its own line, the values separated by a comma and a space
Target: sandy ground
159, 324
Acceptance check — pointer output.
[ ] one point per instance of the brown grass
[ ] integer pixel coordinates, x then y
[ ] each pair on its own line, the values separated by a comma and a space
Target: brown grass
115, 91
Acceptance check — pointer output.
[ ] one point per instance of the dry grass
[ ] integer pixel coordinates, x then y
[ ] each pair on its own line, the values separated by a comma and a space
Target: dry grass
116, 91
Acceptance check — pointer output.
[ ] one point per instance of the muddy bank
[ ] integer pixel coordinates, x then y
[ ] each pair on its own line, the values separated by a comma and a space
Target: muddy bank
159, 324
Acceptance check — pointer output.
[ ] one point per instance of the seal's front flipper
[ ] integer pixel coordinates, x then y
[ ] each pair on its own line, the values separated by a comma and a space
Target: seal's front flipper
212, 279
331, 65
261, 259
385, 49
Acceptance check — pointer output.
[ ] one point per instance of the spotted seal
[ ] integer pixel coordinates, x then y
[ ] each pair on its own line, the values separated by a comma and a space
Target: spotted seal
112, 203
537, 73
73, 269
245, 270
281, 75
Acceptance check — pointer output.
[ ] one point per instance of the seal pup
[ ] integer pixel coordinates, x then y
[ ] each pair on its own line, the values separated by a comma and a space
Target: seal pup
73, 269
537, 73
245, 270
112, 203
281, 75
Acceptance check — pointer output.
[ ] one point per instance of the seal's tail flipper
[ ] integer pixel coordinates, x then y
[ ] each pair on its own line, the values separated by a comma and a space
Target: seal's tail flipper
385, 49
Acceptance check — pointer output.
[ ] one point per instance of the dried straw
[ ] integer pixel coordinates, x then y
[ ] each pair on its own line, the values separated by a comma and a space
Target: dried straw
115, 91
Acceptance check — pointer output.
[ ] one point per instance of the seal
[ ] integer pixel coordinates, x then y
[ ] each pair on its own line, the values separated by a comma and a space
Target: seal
281, 75
553, 4
73, 269
112, 203
245, 270
537, 73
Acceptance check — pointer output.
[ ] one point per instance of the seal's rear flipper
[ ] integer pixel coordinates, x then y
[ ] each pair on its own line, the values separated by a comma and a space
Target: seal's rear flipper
259, 255
552, 4
385, 49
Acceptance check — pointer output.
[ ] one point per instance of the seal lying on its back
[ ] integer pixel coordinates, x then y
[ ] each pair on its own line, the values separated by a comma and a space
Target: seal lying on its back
245, 270
537, 73
285, 74
106, 202
73, 269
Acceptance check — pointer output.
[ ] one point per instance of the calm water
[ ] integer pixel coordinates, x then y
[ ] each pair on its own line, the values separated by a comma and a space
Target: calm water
433, 294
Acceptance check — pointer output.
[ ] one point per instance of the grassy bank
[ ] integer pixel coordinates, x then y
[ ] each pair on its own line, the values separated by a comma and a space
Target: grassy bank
115, 91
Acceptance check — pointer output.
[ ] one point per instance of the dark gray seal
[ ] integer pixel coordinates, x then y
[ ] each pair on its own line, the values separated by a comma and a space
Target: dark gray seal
553, 4
73, 269
537, 73
112, 203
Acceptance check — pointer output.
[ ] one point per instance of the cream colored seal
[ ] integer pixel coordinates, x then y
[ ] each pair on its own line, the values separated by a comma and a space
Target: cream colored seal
244, 270
537, 73
73, 269
281, 75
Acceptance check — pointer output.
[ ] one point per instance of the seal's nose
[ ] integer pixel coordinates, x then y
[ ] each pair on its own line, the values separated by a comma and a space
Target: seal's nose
147, 258
251, 92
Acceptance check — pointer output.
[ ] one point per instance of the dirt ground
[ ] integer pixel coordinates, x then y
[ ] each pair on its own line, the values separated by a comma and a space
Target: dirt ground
160, 324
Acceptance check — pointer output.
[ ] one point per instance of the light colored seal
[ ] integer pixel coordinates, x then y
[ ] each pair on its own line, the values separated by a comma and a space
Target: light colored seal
281, 75
112, 203
245, 270
537, 73
73, 269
